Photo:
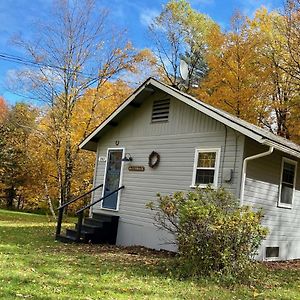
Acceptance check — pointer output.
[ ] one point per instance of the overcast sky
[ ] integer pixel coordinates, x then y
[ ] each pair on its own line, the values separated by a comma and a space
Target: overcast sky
19, 16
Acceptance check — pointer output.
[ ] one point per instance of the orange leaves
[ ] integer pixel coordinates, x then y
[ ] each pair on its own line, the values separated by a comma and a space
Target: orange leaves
3, 109
245, 77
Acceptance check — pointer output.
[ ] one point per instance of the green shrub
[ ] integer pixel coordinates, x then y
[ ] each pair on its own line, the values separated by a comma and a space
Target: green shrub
213, 233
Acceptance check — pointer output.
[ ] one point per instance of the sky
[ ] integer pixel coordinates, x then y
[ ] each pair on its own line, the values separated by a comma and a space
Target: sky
20, 16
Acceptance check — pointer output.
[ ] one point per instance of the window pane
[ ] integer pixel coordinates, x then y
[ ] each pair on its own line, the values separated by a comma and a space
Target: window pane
288, 173
204, 177
206, 159
286, 193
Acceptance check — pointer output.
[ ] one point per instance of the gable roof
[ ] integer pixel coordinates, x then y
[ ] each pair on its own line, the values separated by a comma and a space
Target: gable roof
254, 132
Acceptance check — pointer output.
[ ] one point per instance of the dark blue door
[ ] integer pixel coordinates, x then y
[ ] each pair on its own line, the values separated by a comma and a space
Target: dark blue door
112, 178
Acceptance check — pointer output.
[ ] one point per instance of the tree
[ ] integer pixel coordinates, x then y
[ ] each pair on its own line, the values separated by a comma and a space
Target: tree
180, 32
279, 93
3, 109
235, 81
291, 66
75, 50
14, 159
40, 190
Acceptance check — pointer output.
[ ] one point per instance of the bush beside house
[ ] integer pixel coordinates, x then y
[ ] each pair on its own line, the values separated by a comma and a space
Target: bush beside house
213, 233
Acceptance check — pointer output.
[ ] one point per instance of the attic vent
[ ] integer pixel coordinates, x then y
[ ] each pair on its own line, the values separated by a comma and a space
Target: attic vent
272, 252
160, 111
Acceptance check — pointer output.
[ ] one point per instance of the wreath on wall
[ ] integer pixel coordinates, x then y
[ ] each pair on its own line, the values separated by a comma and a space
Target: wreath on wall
154, 159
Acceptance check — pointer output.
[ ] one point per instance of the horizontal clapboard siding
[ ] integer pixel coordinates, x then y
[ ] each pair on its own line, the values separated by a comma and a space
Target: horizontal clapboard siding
262, 191
175, 141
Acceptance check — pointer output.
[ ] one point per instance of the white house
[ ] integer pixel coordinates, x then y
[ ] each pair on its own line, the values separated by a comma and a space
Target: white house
191, 143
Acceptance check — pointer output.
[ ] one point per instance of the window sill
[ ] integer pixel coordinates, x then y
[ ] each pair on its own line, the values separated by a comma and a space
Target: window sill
282, 205
272, 259
202, 186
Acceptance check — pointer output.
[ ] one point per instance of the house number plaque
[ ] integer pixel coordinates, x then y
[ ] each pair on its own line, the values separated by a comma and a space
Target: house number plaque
136, 168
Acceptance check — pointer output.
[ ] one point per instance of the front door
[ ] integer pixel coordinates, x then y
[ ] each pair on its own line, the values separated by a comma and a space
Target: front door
112, 178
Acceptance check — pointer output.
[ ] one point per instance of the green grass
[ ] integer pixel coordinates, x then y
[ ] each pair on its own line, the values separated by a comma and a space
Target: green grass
34, 266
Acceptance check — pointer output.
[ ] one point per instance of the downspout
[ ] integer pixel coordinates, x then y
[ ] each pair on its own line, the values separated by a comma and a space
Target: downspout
244, 171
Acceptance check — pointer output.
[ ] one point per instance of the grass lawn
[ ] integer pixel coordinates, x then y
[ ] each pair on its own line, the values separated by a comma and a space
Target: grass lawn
34, 266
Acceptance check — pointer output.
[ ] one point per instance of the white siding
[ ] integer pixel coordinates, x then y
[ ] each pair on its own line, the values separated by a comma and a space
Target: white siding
262, 191
176, 142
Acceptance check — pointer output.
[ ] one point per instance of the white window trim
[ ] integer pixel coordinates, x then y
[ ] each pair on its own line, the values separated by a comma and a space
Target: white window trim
216, 168
265, 258
292, 162
121, 177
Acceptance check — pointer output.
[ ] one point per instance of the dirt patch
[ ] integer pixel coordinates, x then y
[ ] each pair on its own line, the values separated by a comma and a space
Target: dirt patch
283, 265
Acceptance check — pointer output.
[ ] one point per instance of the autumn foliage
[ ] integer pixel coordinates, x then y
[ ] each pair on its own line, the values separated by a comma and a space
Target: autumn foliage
30, 159
251, 71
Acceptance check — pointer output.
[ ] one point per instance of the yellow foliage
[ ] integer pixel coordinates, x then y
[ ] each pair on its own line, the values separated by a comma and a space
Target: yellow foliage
46, 148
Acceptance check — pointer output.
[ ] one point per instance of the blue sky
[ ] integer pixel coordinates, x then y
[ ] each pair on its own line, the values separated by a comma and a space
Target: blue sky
19, 16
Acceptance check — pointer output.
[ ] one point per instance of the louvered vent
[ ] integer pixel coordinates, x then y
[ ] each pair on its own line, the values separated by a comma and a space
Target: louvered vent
160, 111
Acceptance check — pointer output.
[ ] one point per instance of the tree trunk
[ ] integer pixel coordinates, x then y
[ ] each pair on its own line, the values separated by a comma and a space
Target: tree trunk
49, 201
19, 201
11, 194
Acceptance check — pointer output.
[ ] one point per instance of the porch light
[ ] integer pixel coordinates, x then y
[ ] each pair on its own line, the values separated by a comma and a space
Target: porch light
127, 157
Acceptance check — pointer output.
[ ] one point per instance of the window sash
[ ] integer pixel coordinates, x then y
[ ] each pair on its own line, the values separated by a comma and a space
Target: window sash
215, 169
286, 189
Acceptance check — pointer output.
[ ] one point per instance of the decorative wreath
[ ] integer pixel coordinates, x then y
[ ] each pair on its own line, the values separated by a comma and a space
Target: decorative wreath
154, 159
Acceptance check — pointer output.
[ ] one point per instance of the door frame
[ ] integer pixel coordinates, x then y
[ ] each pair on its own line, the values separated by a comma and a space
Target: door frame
121, 177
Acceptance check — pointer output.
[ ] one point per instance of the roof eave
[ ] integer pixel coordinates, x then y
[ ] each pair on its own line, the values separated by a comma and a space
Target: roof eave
86, 144
90, 144
281, 148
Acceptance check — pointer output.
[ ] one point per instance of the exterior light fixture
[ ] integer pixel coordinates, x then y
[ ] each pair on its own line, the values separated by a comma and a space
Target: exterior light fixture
127, 157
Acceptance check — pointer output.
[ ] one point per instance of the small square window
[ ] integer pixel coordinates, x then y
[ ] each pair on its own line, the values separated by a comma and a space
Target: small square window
206, 167
287, 184
272, 252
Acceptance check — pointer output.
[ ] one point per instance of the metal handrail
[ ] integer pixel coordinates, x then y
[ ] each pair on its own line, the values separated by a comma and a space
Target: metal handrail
61, 209
79, 197
97, 201
81, 211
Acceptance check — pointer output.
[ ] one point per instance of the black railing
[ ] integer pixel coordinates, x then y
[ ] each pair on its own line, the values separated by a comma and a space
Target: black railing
80, 212
62, 207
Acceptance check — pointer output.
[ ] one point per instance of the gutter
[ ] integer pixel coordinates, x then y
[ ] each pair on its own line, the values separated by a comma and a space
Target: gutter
244, 171
282, 148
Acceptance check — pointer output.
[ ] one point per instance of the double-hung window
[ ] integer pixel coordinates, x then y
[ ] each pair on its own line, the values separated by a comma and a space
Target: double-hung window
287, 183
206, 167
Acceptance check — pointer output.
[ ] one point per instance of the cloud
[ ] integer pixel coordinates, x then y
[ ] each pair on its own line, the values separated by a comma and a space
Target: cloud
146, 17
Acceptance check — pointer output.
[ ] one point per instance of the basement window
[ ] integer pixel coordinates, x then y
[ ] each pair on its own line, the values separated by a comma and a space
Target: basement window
287, 183
206, 167
272, 252
160, 111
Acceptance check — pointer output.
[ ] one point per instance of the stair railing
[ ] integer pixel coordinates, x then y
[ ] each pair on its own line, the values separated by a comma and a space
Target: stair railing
62, 207
80, 212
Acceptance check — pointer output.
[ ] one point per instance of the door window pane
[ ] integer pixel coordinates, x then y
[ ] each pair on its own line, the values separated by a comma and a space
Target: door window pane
112, 179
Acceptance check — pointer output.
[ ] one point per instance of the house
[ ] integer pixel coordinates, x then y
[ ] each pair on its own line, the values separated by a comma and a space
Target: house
163, 140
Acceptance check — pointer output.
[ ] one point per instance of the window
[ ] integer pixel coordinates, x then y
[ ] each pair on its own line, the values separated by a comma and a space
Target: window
272, 252
206, 167
287, 184
160, 111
